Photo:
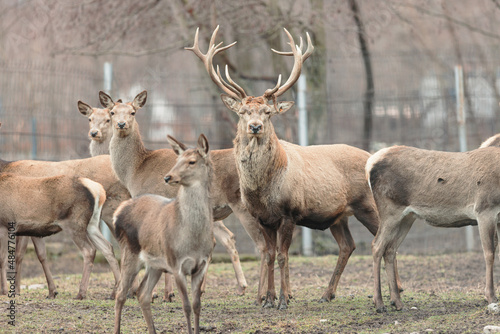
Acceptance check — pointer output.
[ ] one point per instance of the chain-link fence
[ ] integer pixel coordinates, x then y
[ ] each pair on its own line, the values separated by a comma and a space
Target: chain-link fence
415, 104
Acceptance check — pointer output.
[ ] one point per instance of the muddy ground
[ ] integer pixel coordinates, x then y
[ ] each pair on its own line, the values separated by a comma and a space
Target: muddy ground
443, 294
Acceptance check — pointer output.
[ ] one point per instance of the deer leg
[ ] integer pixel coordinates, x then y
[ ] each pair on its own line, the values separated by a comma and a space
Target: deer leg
255, 231
4, 240
129, 269
487, 225
226, 237
342, 234
96, 237
401, 230
21, 246
145, 293
197, 280
271, 239
285, 234
180, 280
366, 212
169, 288
388, 227
41, 253
83, 243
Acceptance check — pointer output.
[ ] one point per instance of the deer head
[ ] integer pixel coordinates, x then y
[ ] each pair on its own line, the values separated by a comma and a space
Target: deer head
123, 114
192, 164
99, 121
254, 112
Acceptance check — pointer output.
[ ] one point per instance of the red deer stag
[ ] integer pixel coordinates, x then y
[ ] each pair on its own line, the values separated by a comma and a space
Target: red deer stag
169, 236
100, 134
97, 169
446, 189
140, 170
54, 203
283, 184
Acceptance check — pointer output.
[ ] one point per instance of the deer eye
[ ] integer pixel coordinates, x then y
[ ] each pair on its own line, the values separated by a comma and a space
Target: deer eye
192, 162
90, 120
108, 120
132, 113
112, 113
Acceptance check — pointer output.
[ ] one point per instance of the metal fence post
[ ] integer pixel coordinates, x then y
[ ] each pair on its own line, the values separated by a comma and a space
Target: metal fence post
462, 137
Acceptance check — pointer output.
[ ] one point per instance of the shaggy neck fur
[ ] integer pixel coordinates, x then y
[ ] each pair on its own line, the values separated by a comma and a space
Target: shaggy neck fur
262, 164
127, 154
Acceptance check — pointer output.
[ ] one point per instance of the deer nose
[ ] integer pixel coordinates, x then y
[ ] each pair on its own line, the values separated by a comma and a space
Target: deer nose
167, 178
255, 128
93, 133
121, 125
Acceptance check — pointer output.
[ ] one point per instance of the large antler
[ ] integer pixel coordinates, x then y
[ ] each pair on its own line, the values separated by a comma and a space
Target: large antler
230, 88
299, 58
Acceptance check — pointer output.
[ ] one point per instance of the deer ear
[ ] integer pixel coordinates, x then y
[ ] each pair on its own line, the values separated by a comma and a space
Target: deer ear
106, 100
140, 100
231, 103
203, 145
177, 146
84, 108
284, 106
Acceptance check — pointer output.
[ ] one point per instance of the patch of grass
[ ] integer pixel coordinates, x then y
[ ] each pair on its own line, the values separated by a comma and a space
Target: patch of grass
429, 303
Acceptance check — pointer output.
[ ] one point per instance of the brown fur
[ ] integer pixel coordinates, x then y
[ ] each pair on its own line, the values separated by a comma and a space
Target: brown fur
284, 185
97, 169
446, 189
169, 236
54, 203
141, 171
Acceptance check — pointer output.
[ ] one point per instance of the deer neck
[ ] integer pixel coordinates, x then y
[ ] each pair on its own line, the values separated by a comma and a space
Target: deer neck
127, 154
261, 161
99, 147
195, 209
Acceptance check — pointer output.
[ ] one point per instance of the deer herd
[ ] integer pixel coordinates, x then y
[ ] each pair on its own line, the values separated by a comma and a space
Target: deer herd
165, 207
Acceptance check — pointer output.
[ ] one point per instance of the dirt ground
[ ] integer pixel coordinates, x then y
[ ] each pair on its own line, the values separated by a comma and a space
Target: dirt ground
443, 294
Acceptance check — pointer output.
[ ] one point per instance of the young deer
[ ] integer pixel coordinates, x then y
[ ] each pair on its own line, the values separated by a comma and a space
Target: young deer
97, 169
42, 206
140, 170
169, 236
100, 134
283, 184
446, 189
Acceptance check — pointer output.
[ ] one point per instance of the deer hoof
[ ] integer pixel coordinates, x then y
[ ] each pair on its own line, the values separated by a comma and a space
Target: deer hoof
241, 291
169, 298
268, 304
52, 295
382, 309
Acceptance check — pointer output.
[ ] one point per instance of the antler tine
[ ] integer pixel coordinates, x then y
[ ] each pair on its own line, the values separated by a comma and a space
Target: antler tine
269, 93
235, 92
228, 86
299, 60
234, 84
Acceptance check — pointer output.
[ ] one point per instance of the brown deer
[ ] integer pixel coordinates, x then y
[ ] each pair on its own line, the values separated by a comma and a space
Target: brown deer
283, 184
446, 189
97, 169
42, 206
140, 170
169, 236
100, 134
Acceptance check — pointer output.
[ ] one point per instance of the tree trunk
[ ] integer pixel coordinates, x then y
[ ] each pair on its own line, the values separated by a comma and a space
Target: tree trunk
370, 86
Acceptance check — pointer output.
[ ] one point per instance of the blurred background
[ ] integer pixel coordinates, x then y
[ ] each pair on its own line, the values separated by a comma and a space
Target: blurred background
382, 73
